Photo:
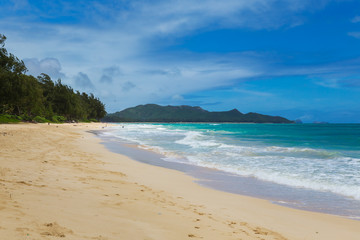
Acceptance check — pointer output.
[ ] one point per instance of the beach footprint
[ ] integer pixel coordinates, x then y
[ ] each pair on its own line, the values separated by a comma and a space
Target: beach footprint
55, 230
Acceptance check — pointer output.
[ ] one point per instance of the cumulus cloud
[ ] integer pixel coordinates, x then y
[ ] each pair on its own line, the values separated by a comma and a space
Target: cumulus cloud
106, 79
83, 81
130, 35
109, 73
127, 86
112, 71
49, 66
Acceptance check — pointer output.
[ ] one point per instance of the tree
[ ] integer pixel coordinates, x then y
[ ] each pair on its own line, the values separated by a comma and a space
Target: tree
24, 94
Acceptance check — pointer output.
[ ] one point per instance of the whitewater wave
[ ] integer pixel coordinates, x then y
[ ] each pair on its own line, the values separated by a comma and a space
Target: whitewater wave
301, 167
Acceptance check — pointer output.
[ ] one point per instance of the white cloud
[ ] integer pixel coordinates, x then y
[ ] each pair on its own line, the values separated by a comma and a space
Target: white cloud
173, 18
83, 81
50, 66
109, 74
127, 86
114, 44
354, 34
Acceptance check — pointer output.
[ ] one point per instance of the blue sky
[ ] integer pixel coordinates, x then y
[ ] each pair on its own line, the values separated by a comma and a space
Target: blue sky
295, 58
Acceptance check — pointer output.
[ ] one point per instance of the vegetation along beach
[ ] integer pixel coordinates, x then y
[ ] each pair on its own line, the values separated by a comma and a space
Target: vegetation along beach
173, 120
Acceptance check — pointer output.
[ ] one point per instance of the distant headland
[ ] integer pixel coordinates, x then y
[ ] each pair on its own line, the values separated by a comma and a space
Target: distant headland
156, 113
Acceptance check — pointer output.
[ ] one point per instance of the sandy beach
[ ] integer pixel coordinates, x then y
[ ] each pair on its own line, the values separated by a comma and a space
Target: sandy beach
59, 181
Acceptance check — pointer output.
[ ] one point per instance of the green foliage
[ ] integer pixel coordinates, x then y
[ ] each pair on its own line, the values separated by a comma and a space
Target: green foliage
156, 113
58, 119
25, 117
39, 119
40, 98
6, 118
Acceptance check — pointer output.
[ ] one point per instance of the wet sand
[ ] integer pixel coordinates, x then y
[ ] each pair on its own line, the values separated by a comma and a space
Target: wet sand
298, 198
59, 181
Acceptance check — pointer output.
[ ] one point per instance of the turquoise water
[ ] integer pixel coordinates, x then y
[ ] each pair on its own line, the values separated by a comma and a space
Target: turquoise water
319, 157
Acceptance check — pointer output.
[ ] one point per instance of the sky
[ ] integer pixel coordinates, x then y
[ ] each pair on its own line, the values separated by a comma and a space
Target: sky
299, 59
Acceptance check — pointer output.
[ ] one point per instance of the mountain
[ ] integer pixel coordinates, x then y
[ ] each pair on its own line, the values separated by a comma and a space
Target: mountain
156, 113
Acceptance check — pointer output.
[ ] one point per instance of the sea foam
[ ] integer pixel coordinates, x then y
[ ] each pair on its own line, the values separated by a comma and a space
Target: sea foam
238, 152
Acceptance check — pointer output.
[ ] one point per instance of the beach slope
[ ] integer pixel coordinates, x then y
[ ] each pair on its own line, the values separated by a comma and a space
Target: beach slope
58, 181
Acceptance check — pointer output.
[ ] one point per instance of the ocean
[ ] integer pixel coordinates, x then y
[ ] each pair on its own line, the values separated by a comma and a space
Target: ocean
307, 166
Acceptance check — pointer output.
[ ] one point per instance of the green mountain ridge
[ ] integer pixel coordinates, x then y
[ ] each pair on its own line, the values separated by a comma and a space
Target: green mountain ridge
184, 113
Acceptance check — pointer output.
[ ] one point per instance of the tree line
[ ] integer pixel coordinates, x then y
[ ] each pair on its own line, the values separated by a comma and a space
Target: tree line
40, 98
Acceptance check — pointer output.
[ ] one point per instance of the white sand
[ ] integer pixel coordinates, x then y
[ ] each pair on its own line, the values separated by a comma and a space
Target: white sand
59, 181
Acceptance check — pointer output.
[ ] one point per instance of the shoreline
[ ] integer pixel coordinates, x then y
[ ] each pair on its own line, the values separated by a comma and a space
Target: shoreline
284, 195
291, 197
59, 180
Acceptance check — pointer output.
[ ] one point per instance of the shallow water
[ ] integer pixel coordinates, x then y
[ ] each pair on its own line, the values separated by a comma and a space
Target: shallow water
308, 166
